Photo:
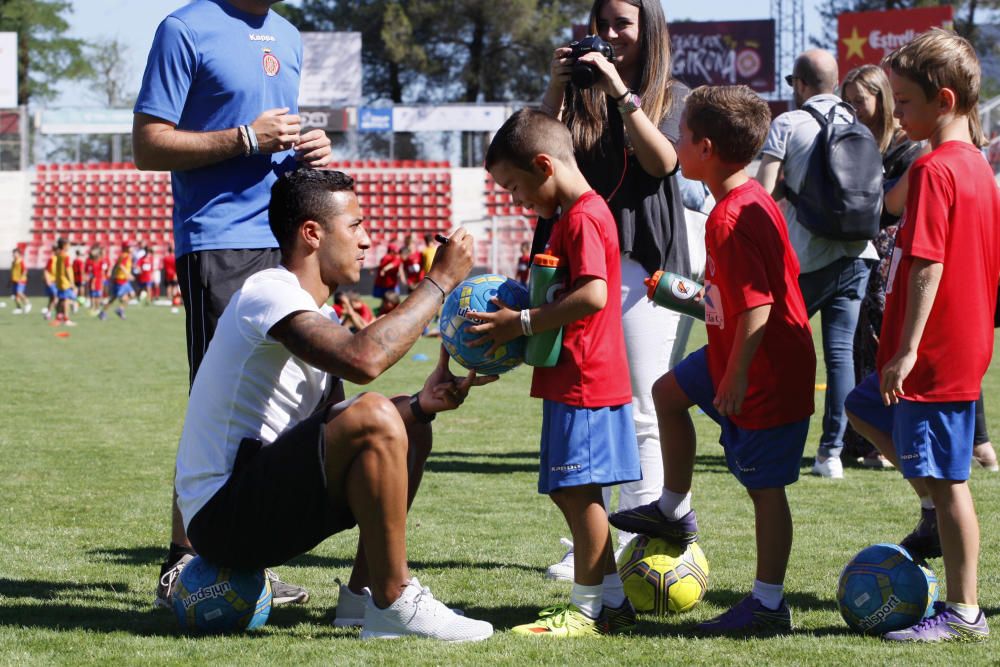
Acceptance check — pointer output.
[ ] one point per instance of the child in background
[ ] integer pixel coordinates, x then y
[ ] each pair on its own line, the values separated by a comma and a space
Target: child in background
413, 267
64, 282
49, 275
96, 267
756, 376
524, 263
169, 267
937, 336
144, 271
19, 283
79, 271
588, 439
121, 283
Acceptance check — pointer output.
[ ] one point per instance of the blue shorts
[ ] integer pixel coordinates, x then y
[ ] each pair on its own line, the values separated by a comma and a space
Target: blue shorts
582, 446
380, 292
67, 294
148, 286
122, 289
51, 291
19, 288
763, 458
931, 439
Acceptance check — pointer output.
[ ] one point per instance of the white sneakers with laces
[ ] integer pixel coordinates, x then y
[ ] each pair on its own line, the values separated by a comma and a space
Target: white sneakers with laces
417, 613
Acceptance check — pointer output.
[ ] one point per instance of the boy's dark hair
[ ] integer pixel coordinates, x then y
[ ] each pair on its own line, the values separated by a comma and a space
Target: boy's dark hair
940, 59
734, 118
527, 134
300, 195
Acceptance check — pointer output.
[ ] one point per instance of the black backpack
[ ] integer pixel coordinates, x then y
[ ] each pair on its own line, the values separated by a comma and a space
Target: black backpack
841, 196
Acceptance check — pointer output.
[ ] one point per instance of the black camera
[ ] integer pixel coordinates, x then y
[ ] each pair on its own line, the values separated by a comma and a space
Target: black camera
584, 75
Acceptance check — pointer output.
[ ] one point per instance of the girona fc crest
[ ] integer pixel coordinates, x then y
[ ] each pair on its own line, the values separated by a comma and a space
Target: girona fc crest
271, 64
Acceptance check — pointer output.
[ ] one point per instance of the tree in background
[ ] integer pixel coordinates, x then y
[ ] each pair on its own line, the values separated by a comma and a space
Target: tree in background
45, 55
419, 51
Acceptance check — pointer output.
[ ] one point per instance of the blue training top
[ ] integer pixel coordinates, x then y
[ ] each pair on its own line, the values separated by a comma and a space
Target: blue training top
214, 67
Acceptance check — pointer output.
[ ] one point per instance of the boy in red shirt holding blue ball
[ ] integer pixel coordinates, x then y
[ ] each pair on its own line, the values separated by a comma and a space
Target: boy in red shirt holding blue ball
588, 438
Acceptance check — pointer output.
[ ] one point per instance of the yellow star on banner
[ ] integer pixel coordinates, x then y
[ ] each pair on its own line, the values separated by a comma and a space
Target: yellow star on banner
855, 44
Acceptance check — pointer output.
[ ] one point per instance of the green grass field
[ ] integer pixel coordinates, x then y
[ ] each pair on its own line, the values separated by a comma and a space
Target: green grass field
89, 431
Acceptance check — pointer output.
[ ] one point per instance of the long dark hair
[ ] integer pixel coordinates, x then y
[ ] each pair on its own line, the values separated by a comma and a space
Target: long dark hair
586, 111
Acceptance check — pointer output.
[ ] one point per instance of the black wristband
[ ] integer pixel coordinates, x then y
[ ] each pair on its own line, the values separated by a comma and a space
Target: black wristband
418, 412
621, 97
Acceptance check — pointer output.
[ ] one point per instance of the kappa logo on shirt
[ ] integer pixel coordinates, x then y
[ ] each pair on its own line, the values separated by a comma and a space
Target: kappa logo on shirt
271, 63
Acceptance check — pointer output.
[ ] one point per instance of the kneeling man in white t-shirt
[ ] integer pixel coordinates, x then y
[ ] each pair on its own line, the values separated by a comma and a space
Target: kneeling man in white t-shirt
269, 439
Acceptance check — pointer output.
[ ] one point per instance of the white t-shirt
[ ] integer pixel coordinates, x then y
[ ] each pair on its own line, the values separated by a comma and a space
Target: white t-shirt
248, 386
791, 139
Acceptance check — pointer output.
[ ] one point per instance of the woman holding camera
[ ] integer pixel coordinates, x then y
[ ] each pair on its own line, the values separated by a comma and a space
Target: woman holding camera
623, 127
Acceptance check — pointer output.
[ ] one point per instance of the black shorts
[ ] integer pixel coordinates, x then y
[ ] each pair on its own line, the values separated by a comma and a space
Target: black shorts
274, 506
208, 279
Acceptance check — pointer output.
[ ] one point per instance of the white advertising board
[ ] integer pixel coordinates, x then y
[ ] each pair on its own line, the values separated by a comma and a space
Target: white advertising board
8, 70
331, 69
449, 118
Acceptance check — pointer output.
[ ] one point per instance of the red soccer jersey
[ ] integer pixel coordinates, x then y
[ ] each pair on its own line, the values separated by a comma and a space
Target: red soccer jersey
387, 275
169, 268
414, 268
592, 371
751, 263
145, 266
78, 269
99, 271
952, 213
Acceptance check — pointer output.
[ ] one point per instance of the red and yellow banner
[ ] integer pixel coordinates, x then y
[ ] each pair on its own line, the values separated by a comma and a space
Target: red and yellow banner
866, 37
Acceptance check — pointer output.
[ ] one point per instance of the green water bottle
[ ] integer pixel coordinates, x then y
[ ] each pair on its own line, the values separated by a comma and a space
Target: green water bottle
545, 278
676, 293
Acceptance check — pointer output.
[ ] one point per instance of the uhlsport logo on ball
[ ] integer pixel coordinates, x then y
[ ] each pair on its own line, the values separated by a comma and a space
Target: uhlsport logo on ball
475, 294
882, 589
210, 599
660, 576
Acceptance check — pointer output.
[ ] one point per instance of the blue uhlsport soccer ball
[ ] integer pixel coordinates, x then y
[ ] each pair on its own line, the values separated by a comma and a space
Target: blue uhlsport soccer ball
475, 294
882, 589
210, 599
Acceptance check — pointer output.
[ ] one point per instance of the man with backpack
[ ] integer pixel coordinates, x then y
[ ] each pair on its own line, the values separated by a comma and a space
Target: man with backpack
825, 168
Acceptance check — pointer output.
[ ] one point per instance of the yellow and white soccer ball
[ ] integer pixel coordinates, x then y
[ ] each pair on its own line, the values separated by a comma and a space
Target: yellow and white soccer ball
661, 577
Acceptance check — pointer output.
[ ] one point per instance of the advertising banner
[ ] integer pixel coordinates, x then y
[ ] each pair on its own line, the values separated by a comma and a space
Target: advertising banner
865, 38
374, 120
8, 70
331, 69
449, 118
68, 120
724, 53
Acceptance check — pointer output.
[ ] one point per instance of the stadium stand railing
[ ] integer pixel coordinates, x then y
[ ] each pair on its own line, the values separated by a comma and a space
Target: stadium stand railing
114, 203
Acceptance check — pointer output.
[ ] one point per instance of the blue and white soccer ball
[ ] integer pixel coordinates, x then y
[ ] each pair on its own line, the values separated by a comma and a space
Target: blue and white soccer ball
882, 589
212, 600
475, 294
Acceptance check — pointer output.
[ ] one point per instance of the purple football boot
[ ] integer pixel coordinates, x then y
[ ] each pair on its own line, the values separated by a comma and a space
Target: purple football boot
944, 626
749, 617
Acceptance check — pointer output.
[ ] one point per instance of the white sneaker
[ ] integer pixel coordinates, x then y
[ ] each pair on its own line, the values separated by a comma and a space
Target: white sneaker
350, 611
831, 468
18, 311
350, 608
27, 308
416, 612
563, 570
